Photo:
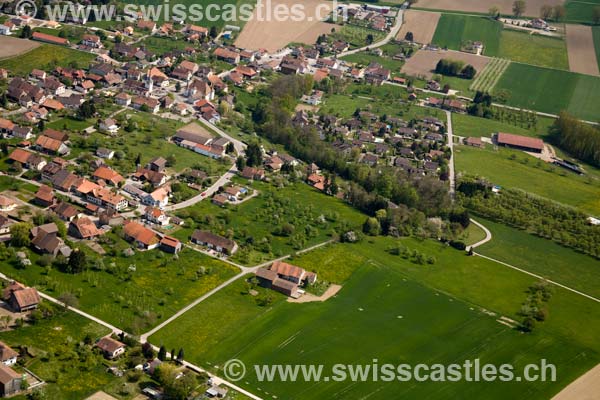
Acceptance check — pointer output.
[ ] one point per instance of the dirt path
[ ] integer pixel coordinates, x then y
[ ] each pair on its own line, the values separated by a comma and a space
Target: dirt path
331, 291
421, 23
586, 387
580, 46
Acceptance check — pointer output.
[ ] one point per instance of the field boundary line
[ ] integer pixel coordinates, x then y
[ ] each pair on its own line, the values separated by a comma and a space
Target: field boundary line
541, 278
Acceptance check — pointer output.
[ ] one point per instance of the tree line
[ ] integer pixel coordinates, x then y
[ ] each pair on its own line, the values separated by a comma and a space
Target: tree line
578, 138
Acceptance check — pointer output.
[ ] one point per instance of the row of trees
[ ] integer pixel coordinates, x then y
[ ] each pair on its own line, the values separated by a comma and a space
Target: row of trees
578, 138
541, 217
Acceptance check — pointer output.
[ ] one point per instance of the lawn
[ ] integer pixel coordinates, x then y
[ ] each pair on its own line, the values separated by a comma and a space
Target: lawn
364, 59
149, 138
133, 293
470, 126
396, 312
551, 91
161, 45
515, 169
357, 35
453, 30
542, 257
47, 57
533, 49
53, 341
256, 223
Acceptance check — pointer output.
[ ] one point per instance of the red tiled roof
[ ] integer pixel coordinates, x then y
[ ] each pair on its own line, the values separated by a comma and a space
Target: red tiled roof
520, 141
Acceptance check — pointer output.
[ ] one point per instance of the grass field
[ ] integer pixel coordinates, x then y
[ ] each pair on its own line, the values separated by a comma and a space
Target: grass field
580, 11
356, 35
526, 173
157, 288
53, 341
542, 257
423, 314
596, 33
551, 91
470, 126
365, 59
47, 57
258, 220
453, 30
533, 49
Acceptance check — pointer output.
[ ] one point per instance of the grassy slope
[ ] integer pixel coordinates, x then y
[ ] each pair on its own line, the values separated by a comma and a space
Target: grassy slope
386, 287
533, 49
537, 178
45, 57
542, 257
161, 290
551, 91
453, 30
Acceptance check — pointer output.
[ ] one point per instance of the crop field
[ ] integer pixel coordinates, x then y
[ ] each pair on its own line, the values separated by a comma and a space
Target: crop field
422, 24
490, 75
596, 35
551, 91
482, 6
469, 126
542, 257
425, 314
580, 11
11, 46
423, 62
134, 292
275, 34
515, 169
539, 50
46, 57
313, 216
582, 53
453, 30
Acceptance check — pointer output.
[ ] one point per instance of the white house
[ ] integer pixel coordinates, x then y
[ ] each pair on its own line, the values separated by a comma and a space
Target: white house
109, 125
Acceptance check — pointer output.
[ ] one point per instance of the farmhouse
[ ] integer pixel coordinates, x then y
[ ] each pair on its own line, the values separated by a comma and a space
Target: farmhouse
475, 142
43, 37
44, 196
21, 298
84, 228
284, 278
110, 347
227, 55
215, 242
7, 355
10, 381
520, 142
143, 237
170, 245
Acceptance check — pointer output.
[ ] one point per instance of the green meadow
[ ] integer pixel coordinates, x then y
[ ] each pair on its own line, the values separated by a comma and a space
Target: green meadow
453, 30
551, 90
395, 311
47, 57
542, 257
516, 169
132, 293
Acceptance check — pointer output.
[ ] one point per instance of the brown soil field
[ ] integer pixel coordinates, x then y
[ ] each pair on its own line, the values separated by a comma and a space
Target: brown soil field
421, 23
11, 46
482, 6
423, 62
274, 35
580, 46
586, 387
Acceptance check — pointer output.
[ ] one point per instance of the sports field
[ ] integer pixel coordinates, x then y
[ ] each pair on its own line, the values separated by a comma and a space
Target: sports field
551, 91
515, 169
542, 257
453, 30
424, 314
46, 57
